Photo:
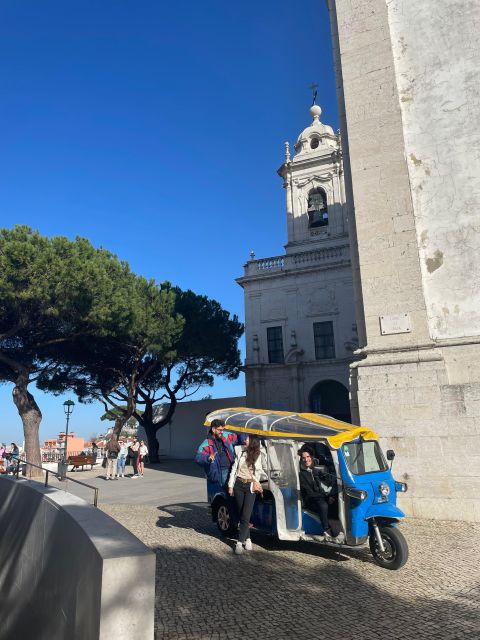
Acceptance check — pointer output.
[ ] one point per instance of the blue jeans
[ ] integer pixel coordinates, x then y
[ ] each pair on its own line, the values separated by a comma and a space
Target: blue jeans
225, 471
121, 466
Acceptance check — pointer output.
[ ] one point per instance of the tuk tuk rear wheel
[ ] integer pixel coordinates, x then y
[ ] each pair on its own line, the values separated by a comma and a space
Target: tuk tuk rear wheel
224, 519
396, 548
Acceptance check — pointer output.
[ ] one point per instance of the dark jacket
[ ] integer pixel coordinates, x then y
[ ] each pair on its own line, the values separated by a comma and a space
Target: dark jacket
314, 483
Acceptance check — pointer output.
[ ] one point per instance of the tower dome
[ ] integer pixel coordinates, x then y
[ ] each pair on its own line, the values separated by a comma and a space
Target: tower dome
315, 137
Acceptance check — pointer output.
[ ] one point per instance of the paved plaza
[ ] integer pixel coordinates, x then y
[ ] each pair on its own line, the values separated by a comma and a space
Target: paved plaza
285, 590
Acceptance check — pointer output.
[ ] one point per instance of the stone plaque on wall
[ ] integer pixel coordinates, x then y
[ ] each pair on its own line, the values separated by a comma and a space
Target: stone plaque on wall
395, 324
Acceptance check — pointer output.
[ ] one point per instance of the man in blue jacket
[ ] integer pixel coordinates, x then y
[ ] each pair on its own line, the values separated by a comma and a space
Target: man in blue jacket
216, 454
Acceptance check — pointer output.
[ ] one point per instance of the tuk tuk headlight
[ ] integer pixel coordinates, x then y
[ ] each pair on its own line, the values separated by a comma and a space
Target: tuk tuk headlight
401, 486
358, 494
384, 489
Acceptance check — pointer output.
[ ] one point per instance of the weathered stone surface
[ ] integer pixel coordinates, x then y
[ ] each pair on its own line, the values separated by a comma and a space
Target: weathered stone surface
408, 84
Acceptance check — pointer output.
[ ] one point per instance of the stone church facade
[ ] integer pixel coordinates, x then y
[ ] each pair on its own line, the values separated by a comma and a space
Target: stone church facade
299, 310
408, 82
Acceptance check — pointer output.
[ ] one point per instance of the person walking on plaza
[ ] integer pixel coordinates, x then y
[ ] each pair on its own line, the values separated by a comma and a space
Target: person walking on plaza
248, 470
215, 454
122, 458
111, 450
142, 453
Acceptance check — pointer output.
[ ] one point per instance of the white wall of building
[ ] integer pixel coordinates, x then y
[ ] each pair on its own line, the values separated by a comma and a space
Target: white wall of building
185, 431
437, 68
407, 78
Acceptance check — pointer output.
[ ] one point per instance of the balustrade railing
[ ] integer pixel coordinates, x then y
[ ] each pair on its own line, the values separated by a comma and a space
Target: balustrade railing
295, 260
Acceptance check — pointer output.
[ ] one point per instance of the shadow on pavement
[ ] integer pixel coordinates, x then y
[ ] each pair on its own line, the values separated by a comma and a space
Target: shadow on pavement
196, 516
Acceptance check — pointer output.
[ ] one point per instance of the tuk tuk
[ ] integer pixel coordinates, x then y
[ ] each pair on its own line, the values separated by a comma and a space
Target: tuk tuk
364, 505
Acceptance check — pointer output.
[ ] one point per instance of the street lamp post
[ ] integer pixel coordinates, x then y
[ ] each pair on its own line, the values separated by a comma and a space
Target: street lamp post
68, 409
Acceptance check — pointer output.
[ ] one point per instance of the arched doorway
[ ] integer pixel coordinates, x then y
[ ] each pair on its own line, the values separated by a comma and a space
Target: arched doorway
330, 398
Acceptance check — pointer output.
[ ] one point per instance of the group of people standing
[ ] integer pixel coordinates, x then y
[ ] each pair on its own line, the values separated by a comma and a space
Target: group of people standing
9, 458
239, 462
122, 452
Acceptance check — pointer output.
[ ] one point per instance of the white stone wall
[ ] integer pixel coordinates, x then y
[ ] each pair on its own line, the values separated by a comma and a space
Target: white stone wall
294, 301
414, 186
437, 68
185, 431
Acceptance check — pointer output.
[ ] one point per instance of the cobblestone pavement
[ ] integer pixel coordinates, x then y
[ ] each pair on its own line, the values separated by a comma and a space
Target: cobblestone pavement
282, 591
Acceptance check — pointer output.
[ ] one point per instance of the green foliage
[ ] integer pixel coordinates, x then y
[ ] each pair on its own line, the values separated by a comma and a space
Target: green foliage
73, 317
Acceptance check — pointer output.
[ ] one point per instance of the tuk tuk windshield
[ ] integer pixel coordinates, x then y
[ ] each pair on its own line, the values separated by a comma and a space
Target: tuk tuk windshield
364, 457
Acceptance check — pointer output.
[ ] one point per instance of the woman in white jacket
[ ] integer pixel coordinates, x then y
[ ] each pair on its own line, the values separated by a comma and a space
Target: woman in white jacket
248, 469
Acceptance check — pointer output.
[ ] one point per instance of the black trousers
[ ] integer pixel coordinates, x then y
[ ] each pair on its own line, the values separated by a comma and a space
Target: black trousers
245, 500
135, 464
319, 504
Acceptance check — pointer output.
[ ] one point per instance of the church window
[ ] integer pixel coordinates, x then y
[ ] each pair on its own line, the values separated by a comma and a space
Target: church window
314, 142
324, 340
317, 208
275, 345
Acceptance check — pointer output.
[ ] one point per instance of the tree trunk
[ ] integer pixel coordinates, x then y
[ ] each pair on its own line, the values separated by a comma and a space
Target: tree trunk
31, 417
151, 428
146, 421
153, 445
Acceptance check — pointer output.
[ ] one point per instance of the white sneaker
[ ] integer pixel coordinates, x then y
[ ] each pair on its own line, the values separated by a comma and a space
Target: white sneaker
238, 548
248, 545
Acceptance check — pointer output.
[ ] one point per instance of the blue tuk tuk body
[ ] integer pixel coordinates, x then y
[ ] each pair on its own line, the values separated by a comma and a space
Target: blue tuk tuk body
364, 506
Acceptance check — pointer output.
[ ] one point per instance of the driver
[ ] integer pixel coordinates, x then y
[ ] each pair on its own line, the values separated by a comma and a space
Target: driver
315, 487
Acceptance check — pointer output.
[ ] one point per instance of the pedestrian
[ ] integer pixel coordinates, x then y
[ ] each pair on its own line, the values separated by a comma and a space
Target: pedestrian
134, 453
94, 449
111, 450
122, 458
215, 454
248, 470
142, 454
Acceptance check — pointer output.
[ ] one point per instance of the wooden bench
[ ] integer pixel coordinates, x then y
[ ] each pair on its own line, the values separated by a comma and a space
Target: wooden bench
81, 461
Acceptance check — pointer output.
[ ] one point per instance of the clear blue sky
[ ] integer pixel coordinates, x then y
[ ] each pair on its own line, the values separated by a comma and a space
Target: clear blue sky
155, 129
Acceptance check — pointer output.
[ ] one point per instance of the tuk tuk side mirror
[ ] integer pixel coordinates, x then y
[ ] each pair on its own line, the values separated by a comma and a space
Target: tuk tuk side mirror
390, 457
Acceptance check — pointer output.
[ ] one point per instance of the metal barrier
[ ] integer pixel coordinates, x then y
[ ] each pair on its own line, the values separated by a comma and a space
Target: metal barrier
47, 472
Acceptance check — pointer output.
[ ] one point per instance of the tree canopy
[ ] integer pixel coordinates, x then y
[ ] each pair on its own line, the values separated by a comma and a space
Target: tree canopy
53, 291
74, 317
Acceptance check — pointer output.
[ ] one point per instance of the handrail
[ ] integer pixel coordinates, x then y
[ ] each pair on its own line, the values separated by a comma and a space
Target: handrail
47, 471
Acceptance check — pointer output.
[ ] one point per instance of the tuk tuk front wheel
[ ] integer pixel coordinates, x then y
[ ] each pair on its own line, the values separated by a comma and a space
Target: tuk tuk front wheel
224, 519
396, 548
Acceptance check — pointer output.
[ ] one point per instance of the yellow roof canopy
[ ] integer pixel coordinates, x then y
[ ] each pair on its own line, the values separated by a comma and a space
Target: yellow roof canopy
290, 425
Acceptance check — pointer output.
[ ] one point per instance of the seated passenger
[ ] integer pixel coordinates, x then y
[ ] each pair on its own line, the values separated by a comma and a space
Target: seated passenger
315, 487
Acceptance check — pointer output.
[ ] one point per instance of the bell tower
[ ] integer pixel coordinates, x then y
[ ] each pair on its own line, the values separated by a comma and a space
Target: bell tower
299, 309
313, 182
